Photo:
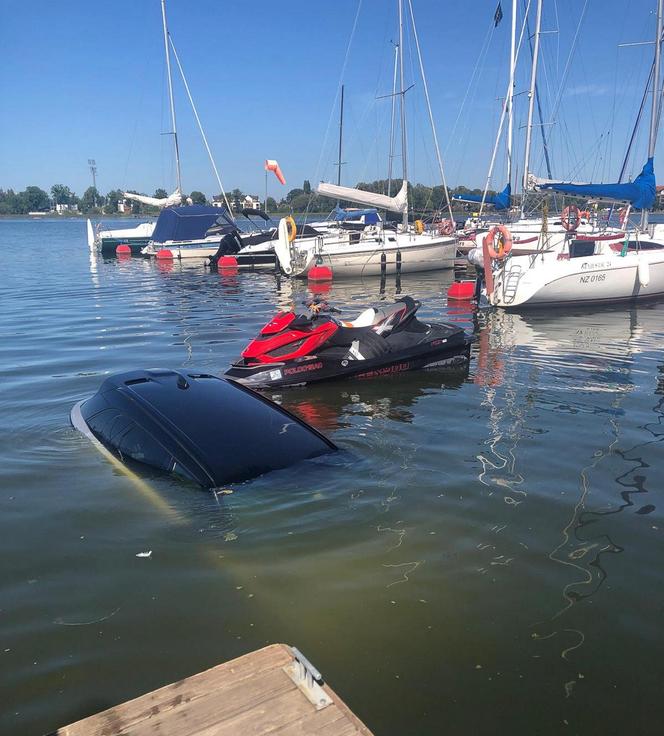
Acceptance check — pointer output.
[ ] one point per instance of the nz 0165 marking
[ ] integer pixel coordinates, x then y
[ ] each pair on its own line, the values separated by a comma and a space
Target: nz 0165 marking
592, 278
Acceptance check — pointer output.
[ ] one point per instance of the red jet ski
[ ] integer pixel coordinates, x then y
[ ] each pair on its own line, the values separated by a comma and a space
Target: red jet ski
295, 348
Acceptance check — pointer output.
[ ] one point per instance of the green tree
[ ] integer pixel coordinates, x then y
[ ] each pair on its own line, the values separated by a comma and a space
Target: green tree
111, 206
90, 200
62, 194
135, 206
293, 193
300, 203
160, 193
271, 204
235, 198
34, 199
198, 198
306, 187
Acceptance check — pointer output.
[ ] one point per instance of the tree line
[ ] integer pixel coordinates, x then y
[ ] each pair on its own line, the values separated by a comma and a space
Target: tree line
423, 199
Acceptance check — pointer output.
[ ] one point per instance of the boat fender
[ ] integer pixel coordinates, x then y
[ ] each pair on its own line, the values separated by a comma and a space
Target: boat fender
123, 248
644, 272
570, 218
292, 228
475, 257
446, 227
164, 254
419, 227
499, 242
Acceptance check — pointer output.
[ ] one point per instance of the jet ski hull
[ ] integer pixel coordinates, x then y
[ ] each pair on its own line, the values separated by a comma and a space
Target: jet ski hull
440, 349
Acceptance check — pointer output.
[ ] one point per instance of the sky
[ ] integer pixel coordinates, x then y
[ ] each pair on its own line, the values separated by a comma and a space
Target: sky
86, 80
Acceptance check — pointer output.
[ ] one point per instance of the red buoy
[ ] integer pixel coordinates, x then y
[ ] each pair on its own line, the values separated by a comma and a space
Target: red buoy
123, 248
165, 254
319, 287
320, 273
227, 262
461, 290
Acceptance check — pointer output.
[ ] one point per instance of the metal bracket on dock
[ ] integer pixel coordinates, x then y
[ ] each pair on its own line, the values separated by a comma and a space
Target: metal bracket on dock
308, 679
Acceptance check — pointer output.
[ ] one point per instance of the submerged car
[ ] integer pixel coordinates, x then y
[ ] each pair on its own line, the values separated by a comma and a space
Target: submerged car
204, 428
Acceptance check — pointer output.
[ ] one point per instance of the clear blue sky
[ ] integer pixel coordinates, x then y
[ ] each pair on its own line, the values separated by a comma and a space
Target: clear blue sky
87, 80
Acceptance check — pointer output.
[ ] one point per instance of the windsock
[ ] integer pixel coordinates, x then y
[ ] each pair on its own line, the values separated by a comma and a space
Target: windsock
272, 165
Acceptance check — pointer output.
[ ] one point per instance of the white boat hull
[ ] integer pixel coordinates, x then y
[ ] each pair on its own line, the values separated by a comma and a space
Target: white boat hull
545, 279
376, 257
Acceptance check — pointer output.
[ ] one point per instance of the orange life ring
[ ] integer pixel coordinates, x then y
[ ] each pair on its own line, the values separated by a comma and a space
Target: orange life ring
446, 227
570, 218
504, 244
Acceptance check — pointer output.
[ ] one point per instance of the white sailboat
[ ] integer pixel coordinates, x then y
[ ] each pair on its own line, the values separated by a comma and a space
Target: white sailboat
593, 267
376, 250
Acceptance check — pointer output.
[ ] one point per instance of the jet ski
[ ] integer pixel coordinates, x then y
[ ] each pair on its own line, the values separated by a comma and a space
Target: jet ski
294, 349
200, 427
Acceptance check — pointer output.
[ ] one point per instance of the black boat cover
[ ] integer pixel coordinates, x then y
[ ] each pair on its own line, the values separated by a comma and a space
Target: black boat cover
189, 223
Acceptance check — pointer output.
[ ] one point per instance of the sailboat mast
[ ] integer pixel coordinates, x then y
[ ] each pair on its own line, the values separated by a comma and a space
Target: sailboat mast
510, 96
394, 99
404, 159
170, 95
531, 104
341, 132
654, 113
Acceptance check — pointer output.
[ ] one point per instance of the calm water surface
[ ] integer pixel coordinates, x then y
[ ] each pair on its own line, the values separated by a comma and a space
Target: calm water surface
484, 557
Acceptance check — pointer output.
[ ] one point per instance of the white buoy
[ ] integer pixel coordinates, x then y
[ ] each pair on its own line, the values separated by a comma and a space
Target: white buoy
91, 235
644, 272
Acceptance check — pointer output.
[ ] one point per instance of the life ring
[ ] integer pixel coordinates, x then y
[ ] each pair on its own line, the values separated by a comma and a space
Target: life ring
419, 227
292, 228
446, 227
504, 242
570, 218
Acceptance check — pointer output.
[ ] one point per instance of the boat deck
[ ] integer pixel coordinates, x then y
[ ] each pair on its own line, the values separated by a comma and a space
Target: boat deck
273, 690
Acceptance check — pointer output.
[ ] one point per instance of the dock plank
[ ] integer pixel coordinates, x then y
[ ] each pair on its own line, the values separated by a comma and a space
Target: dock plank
250, 695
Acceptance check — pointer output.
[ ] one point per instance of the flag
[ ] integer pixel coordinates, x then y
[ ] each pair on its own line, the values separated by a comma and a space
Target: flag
272, 165
497, 16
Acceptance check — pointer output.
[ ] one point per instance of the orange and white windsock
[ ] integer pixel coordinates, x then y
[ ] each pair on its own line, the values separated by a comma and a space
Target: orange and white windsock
272, 165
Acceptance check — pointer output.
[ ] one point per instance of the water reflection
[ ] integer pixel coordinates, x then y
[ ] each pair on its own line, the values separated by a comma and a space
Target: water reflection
333, 405
585, 364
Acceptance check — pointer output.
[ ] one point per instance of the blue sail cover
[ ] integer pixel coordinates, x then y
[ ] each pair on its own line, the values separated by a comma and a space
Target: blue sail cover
640, 193
500, 201
188, 223
370, 215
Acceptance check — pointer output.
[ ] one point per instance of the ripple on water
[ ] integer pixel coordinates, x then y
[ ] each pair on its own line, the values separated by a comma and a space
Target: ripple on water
490, 535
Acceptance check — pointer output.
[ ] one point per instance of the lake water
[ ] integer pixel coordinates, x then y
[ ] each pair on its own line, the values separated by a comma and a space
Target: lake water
484, 556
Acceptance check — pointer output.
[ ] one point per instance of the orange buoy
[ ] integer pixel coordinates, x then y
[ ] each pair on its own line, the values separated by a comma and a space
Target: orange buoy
320, 273
461, 290
123, 248
165, 254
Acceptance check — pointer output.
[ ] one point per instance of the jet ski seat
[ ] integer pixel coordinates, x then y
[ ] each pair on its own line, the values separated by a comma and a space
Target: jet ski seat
364, 319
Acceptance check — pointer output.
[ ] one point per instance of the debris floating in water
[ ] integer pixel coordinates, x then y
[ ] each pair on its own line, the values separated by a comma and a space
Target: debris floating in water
145, 554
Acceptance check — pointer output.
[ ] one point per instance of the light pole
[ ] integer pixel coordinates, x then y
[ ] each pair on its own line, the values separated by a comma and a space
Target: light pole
93, 169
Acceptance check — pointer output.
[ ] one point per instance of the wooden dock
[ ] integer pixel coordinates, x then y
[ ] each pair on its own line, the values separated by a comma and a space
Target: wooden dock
273, 690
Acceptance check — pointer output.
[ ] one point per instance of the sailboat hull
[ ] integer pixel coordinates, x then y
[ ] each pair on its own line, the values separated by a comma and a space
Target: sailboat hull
545, 280
405, 254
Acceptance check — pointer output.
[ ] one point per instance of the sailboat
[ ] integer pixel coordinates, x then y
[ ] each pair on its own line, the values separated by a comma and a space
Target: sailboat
594, 267
525, 229
376, 249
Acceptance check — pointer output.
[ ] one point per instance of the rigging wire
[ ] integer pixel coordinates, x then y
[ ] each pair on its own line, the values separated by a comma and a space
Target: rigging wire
433, 125
198, 121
